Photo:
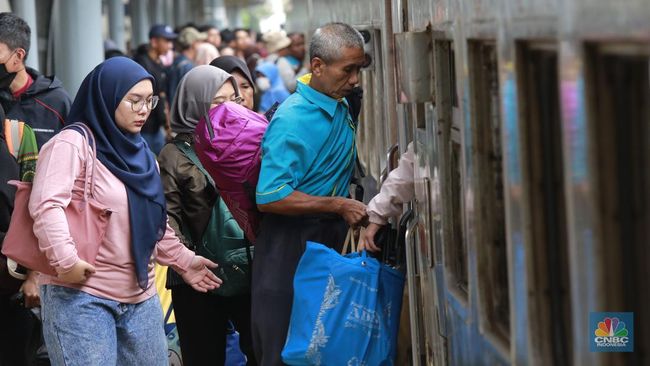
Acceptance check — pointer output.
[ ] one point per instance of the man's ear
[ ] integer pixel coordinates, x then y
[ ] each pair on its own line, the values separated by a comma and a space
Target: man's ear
20, 55
317, 65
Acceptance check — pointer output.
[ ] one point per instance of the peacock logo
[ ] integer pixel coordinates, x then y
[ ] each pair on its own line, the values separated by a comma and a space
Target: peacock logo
611, 327
612, 332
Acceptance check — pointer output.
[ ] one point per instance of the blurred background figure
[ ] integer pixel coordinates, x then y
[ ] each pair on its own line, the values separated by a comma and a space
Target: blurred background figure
285, 56
261, 45
227, 43
187, 43
161, 39
252, 56
270, 85
205, 53
111, 49
214, 36
297, 52
242, 41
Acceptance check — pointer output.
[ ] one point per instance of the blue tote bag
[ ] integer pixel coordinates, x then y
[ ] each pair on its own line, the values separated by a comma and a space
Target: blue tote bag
338, 316
391, 291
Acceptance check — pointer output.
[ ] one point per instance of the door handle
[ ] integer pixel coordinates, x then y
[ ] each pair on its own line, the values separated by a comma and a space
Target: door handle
390, 155
413, 291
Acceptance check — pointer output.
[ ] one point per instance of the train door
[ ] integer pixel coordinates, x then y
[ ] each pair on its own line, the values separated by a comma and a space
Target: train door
488, 211
546, 263
456, 288
618, 95
424, 256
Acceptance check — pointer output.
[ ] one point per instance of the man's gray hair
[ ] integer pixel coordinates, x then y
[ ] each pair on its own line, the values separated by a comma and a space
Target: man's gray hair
328, 40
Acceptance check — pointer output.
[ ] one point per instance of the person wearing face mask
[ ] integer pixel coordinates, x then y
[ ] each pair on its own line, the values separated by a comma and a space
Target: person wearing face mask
270, 84
25, 94
201, 318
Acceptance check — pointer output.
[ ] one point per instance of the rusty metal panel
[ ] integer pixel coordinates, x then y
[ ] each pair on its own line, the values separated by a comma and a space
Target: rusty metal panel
414, 68
243, 3
601, 19
480, 9
532, 8
419, 14
358, 12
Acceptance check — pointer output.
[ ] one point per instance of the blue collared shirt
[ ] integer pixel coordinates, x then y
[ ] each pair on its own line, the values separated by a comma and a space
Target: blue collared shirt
309, 147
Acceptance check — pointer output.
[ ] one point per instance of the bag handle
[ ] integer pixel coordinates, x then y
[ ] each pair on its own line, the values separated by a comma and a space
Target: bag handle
188, 150
349, 238
87, 133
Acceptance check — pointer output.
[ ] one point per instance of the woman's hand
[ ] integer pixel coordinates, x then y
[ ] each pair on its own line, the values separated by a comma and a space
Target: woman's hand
29, 288
367, 239
199, 275
78, 273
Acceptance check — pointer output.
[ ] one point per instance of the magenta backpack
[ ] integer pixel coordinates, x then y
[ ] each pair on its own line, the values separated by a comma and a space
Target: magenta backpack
229, 147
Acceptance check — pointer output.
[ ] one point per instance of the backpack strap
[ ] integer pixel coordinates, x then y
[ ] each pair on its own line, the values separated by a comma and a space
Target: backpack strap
13, 135
187, 149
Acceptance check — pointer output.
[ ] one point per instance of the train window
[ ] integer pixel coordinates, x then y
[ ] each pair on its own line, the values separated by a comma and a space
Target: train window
420, 118
448, 127
618, 81
537, 74
488, 169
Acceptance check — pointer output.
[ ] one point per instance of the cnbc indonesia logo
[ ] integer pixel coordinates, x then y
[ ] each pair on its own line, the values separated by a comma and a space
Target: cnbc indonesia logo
613, 333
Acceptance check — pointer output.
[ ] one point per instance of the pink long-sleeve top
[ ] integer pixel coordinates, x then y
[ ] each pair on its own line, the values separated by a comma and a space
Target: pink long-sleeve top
60, 173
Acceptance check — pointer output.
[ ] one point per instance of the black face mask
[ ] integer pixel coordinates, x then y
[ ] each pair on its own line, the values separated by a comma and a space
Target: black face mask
6, 77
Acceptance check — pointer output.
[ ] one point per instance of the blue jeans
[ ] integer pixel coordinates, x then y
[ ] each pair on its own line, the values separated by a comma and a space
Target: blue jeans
81, 329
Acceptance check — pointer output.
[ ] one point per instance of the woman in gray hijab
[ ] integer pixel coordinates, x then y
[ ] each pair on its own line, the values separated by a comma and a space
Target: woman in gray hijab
201, 318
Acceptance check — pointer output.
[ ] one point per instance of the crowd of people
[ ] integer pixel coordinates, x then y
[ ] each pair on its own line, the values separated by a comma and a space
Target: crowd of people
131, 123
170, 53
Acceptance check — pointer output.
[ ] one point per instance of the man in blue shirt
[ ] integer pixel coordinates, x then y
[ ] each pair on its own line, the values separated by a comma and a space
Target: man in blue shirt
309, 154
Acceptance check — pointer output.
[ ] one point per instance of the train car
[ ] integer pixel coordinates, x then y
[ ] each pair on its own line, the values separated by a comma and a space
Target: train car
531, 125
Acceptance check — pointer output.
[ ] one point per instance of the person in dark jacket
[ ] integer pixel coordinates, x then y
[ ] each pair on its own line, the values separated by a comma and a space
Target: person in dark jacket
21, 328
201, 318
148, 56
25, 94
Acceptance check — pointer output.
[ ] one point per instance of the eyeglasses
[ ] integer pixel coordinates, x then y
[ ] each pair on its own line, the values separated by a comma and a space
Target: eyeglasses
137, 105
220, 100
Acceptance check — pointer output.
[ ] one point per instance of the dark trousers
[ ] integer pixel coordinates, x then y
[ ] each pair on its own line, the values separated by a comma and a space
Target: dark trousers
278, 249
202, 320
20, 335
